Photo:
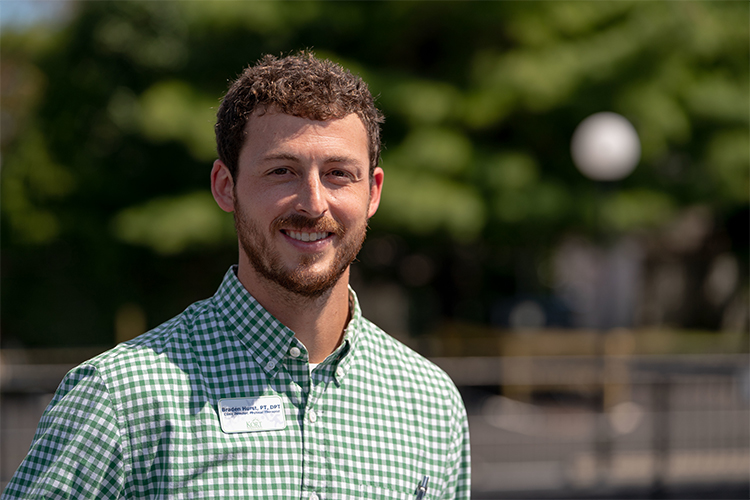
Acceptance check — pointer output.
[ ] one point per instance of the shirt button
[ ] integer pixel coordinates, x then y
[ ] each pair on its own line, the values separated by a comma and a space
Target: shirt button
313, 417
313, 496
295, 352
340, 372
270, 366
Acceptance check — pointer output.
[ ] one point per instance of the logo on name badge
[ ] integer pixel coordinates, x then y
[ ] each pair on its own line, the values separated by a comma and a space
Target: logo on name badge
265, 413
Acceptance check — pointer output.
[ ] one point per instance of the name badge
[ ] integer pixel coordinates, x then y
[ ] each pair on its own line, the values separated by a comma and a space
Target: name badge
265, 413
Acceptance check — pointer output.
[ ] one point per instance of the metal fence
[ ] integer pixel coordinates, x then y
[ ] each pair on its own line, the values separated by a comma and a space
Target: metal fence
607, 427
541, 426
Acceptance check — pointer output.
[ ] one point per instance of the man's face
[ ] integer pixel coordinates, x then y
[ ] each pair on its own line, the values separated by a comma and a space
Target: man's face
302, 199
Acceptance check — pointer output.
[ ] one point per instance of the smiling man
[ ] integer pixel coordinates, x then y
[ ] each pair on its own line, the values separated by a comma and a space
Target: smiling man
302, 191
275, 387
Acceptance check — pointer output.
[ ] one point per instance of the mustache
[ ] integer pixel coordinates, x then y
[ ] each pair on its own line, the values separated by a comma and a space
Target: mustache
298, 222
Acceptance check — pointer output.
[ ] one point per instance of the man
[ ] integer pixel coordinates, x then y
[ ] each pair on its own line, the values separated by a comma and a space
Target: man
276, 387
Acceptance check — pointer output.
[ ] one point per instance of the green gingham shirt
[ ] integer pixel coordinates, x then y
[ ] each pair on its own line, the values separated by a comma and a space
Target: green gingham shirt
142, 420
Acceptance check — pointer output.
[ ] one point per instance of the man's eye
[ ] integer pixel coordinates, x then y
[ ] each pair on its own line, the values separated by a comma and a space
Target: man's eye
340, 174
280, 171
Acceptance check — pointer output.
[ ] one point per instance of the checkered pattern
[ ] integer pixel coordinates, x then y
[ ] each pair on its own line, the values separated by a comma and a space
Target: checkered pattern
141, 420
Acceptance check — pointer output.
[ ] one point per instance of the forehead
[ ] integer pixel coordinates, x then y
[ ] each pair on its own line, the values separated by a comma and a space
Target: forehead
269, 129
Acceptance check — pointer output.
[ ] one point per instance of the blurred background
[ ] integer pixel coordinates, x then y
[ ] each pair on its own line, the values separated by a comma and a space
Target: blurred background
597, 329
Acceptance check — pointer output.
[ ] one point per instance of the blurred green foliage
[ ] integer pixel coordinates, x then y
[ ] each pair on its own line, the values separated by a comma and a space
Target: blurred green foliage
107, 141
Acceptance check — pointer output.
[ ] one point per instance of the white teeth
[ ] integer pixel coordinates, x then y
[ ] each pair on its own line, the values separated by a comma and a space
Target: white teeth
306, 236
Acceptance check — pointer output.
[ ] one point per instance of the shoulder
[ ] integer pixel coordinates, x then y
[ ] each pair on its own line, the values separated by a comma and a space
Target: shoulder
151, 356
398, 361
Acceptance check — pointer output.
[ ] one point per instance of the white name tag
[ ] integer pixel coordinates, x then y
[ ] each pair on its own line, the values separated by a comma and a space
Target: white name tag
265, 413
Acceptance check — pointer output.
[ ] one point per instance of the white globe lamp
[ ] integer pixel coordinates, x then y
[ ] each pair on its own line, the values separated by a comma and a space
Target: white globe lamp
605, 147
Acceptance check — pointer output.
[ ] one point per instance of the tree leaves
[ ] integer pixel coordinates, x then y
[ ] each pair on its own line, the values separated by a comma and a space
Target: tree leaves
108, 129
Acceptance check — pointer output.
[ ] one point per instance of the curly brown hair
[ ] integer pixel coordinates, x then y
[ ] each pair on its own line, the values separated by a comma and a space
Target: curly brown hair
299, 85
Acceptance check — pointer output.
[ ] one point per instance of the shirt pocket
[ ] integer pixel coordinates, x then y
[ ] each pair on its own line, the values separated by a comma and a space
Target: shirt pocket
370, 492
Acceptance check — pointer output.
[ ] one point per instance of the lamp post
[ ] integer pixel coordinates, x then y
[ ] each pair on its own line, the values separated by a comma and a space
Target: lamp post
605, 148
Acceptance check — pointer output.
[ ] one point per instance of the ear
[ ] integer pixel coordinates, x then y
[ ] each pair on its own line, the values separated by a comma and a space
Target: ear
376, 187
222, 186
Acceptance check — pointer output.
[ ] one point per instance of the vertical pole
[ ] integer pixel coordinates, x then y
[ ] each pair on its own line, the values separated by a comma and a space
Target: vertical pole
660, 439
603, 437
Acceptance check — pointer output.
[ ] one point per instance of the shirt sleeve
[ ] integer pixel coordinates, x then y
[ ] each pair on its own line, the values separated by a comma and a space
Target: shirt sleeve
76, 451
459, 483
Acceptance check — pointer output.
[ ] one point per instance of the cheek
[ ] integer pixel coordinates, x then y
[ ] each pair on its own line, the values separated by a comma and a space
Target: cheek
263, 203
352, 208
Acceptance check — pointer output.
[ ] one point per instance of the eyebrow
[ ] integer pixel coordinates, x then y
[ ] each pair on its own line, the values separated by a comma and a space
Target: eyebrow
342, 159
280, 156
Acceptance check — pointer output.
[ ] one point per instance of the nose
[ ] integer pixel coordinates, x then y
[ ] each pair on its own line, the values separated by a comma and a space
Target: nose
311, 198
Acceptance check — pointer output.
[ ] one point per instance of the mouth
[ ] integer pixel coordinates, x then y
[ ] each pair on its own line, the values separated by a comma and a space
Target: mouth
304, 230
305, 236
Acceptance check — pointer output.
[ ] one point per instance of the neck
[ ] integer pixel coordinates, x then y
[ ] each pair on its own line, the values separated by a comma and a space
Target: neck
317, 322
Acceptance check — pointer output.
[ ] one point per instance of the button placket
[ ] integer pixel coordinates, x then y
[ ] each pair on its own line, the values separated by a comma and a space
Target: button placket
314, 461
296, 395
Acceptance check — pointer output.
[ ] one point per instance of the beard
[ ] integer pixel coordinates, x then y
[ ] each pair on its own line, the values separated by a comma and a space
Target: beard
302, 279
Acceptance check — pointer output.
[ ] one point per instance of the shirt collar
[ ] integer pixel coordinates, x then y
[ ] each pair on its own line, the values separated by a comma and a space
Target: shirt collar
344, 356
268, 339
